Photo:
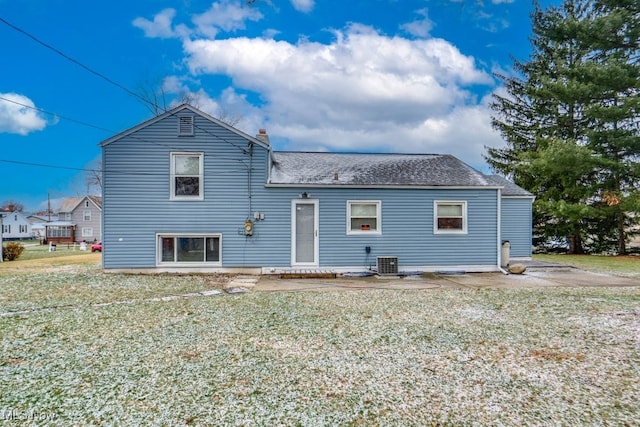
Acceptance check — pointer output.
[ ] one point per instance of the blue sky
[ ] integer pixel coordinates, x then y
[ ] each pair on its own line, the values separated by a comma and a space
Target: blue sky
410, 76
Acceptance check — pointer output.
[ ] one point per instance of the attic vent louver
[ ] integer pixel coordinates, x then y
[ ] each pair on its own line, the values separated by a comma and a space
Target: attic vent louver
185, 126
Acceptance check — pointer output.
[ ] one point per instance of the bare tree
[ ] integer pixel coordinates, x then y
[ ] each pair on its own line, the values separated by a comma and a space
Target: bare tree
93, 177
12, 206
153, 95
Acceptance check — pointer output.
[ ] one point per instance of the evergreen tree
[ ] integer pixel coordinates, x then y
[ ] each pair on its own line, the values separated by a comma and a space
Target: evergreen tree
577, 99
545, 103
613, 72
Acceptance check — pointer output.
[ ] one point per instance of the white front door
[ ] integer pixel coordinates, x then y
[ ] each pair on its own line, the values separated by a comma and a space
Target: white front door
304, 232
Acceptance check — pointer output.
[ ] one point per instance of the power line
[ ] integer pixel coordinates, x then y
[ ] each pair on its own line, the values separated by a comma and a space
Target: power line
40, 110
48, 166
128, 173
80, 64
102, 76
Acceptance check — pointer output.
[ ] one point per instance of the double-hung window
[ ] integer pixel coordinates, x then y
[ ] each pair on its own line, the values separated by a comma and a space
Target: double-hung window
450, 217
86, 215
187, 176
364, 217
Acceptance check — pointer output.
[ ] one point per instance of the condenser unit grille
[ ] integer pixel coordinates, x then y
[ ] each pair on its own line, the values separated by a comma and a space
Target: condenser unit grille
387, 265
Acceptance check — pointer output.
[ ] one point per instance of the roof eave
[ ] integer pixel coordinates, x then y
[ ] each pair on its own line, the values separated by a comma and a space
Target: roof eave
174, 111
385, 186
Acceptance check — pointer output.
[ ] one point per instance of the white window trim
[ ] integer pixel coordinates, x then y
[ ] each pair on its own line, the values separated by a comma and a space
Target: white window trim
376, 232
87, 231
86, 214
465, 217
172, 175
160, 263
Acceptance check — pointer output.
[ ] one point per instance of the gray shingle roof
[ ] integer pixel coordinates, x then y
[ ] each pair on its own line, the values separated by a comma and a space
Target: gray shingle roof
510, 189
304, 168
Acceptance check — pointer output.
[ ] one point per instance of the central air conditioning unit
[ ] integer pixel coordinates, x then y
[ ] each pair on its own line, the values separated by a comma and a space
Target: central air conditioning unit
388, 265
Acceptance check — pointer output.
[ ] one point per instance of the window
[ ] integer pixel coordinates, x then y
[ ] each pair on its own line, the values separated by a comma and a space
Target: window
23, 228
6, 228
363, 217
87, 232
86, 203
450, 217
186, 176
189, 250
58, 231
185, 126
67, 216
86, 215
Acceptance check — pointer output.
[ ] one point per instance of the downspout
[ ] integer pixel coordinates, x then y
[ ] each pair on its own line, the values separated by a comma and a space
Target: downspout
499, 233
1, 231
250, 178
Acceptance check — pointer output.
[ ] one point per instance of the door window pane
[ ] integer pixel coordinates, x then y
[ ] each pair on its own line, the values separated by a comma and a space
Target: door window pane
305, 230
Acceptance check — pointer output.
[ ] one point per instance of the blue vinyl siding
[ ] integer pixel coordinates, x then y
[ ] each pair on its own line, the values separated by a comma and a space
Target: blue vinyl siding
517, 225
407, 229
137, 207
136, 191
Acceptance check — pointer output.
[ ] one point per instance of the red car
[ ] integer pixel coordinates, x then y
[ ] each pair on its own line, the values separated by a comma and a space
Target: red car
96, 247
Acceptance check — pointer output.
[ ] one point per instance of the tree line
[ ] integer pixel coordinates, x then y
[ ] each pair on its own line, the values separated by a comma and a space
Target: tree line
570, 116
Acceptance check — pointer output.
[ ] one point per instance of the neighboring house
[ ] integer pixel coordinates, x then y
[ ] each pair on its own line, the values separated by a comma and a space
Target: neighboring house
80, 219
187, 192
38, 226
60, 232
15, 226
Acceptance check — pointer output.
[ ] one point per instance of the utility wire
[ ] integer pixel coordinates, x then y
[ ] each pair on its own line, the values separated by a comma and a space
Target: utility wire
112, 131
40, 110
128, 173
102, 76
80, 64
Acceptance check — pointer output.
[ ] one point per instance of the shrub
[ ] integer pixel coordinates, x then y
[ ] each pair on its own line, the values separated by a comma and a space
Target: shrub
11, 251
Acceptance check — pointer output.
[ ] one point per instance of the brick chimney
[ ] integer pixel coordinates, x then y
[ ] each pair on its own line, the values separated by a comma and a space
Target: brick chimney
11, 208
262, 136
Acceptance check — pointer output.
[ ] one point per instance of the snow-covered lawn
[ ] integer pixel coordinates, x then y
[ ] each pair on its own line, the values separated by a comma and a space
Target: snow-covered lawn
553, 356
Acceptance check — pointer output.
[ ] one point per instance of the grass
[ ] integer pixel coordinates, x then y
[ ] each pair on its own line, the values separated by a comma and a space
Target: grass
628, 266
552, 356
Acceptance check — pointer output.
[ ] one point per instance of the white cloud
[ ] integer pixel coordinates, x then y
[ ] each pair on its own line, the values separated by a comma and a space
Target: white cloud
303, 5
160, 27
16, 118
225, 15
364, 91
419, 27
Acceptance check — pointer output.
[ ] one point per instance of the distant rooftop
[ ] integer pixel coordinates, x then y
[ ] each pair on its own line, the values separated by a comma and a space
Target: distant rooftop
375, 170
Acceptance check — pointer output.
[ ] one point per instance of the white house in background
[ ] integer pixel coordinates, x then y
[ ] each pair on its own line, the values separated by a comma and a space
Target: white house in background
15, 226
38, 225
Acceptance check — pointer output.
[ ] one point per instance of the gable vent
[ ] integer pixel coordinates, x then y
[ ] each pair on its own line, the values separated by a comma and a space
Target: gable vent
387, 265
185, 126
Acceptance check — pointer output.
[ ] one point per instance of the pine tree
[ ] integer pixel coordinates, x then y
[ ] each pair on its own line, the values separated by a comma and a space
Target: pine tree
613, 72
544, 104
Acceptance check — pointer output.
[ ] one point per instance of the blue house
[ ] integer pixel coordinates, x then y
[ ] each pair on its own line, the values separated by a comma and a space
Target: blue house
185, 192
